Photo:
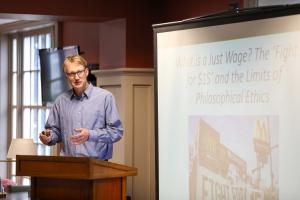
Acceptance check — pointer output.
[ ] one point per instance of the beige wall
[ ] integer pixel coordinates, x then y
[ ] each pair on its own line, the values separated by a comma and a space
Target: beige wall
133, 89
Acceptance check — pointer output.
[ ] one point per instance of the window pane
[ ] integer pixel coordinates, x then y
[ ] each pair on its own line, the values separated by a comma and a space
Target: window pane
14, 55
26, 53
34, 52
26, 123
26, 88
43, 150
25, 180
34, 125
39, 89
14, 123
48, 40
34, 88
40, 149
14, 89
47, 151
42, 41
41, 120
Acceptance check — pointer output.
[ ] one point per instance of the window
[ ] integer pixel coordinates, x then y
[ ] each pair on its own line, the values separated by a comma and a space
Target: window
27, 114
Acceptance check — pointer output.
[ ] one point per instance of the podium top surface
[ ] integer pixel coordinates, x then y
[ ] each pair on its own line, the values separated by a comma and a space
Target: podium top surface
70, 167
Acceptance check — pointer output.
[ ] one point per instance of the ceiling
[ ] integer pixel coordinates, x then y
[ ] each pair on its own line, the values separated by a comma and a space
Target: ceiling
5, 21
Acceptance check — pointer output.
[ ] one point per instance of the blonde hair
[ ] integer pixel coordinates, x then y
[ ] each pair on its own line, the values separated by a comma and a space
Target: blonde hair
77, 59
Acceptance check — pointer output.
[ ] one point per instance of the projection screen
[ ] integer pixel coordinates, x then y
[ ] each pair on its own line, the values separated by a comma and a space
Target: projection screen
228, 106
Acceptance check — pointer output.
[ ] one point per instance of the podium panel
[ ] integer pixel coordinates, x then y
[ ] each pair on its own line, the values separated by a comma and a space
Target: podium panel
57, 177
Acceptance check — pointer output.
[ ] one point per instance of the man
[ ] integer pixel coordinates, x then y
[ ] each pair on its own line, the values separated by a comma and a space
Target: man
85, 118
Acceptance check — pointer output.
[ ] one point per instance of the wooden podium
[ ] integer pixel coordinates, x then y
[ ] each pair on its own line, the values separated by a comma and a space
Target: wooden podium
58, 177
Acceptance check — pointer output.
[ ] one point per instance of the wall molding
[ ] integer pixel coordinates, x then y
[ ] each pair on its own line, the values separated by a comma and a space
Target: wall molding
133, 89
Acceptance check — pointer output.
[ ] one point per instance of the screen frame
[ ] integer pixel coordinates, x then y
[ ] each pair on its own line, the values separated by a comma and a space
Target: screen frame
222, 18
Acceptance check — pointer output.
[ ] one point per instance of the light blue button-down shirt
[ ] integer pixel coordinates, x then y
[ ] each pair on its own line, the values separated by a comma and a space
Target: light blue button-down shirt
95, 110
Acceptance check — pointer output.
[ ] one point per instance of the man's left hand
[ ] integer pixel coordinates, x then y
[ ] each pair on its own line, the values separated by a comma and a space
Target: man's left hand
81, 136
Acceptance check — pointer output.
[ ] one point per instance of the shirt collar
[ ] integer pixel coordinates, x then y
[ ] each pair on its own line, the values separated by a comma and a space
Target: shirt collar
87, 93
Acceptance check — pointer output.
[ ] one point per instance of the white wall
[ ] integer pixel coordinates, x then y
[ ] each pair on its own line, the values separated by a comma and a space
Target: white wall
259, 3
276, 2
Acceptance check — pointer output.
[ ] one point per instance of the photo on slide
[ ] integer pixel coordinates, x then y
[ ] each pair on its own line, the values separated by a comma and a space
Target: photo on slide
233, 157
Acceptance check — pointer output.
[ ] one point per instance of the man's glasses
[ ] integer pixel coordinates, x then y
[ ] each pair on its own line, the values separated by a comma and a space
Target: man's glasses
73, 74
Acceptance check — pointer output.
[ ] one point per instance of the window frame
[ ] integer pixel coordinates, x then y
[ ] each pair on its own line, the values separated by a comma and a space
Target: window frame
19, 33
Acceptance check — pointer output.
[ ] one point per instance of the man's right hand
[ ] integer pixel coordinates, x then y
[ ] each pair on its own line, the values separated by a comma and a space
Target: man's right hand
45, 136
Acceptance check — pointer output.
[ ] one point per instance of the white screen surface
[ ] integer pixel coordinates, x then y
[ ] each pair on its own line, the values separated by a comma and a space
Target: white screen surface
228, 103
